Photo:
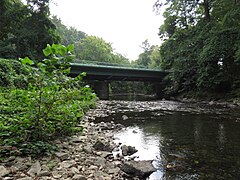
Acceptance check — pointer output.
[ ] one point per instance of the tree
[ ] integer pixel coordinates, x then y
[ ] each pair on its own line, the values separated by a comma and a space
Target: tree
68, 35
25, 29
150, 57
201, 45
94, 49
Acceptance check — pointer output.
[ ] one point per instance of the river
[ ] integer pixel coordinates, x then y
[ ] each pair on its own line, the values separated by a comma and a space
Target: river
184, 140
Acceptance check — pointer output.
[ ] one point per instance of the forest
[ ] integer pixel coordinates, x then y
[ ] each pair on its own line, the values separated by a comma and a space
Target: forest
201, 43
201, 46
201, 49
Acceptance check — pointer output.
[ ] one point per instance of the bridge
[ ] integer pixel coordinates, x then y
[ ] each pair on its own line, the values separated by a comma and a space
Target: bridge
105, 73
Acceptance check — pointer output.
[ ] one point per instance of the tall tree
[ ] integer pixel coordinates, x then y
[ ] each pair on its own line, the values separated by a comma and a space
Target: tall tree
26, 29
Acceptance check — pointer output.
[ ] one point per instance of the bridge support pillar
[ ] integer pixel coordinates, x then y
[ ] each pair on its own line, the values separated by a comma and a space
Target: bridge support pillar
102, 89
159, 90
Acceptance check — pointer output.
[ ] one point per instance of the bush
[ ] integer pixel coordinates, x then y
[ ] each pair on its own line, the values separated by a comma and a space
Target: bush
12, 74
50, 107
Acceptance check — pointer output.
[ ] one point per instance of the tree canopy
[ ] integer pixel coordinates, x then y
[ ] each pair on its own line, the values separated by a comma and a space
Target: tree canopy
25, 29
201, 45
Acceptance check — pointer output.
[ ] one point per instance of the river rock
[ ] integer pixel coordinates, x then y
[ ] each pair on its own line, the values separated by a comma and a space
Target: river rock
79, 177
114, 170
3, 171
100, 161
57, 174
128, 150
124, 117
100, 146
67, 164
141, 169
44, 173
62, 156
35, 169
88, 149
79, 139
25, 178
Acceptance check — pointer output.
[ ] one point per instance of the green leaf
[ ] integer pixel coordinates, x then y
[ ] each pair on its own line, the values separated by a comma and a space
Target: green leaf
26, 60
63, 51
83, 74
47, 51
70, 47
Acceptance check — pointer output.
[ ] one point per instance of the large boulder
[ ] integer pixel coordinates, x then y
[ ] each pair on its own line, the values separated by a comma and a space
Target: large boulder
141, 169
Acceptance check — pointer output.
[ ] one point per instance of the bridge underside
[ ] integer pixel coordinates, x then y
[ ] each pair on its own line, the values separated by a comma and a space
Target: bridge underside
104, 74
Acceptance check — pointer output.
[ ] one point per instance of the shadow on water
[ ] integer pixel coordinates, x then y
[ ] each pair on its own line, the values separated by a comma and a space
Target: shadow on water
184, 144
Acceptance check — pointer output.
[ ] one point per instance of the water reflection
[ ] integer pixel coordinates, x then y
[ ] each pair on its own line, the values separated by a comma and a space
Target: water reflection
221, 136
147, 145
184, 144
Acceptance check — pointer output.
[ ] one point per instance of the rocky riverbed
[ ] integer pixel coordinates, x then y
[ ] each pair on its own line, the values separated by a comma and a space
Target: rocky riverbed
91, 155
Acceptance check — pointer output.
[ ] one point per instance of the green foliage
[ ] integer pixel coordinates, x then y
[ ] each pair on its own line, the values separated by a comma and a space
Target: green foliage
25, 29
94, 49
150, 58
201, 46
13, 74
50, 107
68, 35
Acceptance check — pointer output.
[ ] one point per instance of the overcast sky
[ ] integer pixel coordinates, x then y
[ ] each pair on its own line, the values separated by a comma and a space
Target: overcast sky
124, 23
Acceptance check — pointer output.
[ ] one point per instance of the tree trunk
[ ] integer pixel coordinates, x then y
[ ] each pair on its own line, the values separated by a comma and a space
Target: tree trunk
206, 10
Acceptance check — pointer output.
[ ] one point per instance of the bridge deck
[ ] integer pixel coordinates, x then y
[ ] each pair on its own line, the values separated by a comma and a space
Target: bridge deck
101, 72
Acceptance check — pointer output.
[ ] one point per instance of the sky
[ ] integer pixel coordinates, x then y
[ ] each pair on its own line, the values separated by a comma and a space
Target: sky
124, 23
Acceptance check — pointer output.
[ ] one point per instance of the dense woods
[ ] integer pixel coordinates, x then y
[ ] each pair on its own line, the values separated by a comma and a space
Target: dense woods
201, 46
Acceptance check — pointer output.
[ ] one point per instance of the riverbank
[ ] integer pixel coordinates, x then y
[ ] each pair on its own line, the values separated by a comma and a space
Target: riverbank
87, 156
98, 154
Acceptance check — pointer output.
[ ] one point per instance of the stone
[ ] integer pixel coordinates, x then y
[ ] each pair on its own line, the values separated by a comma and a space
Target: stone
79, 177
100, 146
114, 170
98, 153
62, 156
56, 175
74, 170
87, 149
25, 178
79, 139
106, 154
100, 161
141, 169
128, 150
8, 178
67, 164
35, 169
92, 167
211, 103
124, 117
44, 173
20, 165
100, 175
3, 171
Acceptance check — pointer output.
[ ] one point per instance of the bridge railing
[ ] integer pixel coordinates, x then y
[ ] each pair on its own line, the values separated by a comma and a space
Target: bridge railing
95, 63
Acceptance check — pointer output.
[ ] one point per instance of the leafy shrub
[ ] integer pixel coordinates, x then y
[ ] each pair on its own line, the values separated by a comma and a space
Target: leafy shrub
50, 107
12, 74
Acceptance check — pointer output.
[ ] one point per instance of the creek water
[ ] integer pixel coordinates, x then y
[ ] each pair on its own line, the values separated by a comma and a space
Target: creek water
184, 140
